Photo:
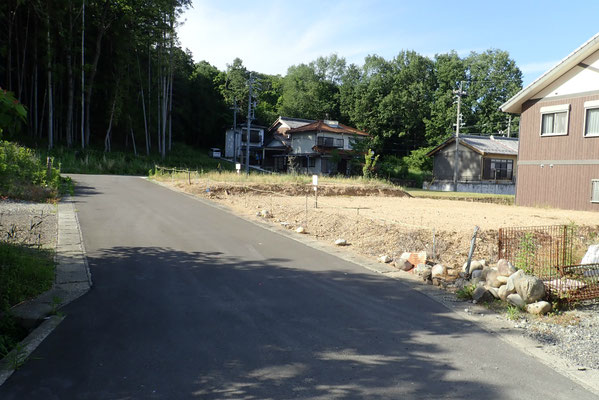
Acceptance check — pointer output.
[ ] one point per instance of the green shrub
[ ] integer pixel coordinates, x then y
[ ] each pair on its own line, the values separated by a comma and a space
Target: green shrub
24, 176
466, 292
92, 161
415, 168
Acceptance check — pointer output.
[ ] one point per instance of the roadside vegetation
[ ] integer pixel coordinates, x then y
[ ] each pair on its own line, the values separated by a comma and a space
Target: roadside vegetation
23, 175
233, 177
25, 272
93, 161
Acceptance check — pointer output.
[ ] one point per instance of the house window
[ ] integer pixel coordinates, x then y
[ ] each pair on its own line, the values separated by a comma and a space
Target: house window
554, 120
498, 169
595, 191
591, 118
328, 166
308, 162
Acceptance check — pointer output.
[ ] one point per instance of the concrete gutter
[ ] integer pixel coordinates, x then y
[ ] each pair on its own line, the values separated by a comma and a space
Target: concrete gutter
73, 279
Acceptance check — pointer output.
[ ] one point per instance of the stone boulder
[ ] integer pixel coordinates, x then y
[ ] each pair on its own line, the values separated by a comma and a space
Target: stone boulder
265, 214
516, 300
385, 259
424, 271
492, 280
482, 295
300, 229
438, 271
493, 291
340, 242
505, 268
474, 265
502, 279
484, 272
502, 292
512, 279
530, 288
477, 274
539, 308
404, 264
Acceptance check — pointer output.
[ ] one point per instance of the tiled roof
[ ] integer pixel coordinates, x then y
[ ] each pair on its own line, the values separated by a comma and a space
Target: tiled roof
321, 126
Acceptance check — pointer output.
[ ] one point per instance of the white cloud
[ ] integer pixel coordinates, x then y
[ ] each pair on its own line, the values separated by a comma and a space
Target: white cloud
269, 39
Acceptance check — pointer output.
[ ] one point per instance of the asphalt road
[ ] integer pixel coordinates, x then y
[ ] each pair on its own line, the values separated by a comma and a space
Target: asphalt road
192, 302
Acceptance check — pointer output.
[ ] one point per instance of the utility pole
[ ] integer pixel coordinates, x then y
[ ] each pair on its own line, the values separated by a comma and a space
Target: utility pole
249, 123
458, 93
235, 109
509, 125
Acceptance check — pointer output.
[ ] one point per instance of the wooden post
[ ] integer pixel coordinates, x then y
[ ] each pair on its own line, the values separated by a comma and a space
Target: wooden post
48, 168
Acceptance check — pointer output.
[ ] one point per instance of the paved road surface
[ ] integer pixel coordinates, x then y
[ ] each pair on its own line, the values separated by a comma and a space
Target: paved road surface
191, 302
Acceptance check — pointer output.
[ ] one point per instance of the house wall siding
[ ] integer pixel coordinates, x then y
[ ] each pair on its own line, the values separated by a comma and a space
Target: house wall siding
573, 146
574, 158
560, 186
469, 164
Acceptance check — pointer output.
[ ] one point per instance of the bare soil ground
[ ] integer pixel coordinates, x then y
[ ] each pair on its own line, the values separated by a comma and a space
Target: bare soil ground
377, 221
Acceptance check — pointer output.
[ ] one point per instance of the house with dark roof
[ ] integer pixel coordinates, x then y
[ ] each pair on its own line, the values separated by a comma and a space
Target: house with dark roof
558, 161
486, 164
311, 147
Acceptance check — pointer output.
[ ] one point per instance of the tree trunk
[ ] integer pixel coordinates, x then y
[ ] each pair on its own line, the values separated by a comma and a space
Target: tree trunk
50, 104
143, 104
107, 137
132, 136
21, 71
90, 85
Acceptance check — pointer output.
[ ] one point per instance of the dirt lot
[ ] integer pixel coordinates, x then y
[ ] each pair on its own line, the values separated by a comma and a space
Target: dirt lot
376, 222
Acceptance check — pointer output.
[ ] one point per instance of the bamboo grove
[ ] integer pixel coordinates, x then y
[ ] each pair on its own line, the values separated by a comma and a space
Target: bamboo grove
84, 67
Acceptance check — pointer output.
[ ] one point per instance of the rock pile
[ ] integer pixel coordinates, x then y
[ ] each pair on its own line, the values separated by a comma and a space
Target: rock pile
504, 282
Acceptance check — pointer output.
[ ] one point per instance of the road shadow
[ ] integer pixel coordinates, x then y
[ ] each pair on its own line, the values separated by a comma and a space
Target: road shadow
211, 326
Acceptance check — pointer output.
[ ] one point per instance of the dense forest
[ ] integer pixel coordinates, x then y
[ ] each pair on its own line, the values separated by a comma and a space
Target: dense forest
111, 74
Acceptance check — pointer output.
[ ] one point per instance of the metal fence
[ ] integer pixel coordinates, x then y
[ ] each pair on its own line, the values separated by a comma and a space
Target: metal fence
549, 252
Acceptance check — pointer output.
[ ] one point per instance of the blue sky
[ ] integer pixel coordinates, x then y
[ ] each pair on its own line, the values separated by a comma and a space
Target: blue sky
270, 35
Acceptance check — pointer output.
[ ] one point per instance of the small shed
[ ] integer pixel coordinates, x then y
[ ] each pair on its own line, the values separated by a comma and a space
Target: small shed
486, 164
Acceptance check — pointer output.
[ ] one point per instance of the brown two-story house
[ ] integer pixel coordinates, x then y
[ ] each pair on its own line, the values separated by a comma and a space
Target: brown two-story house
558, 157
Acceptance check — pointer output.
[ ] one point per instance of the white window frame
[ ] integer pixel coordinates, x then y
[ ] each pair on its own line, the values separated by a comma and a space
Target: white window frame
593, 183
589, 105
554, 110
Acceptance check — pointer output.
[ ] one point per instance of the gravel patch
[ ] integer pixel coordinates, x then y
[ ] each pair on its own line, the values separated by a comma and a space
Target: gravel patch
29, 223
573, 335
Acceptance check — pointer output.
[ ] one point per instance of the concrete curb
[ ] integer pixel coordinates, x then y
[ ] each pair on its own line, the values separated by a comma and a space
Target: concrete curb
480, 316
73, 279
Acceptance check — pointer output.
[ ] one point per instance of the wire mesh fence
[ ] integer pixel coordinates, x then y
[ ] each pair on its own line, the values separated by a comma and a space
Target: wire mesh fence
552, 253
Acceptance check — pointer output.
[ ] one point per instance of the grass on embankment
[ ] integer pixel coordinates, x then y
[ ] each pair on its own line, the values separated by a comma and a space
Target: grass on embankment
25, 272
91, 161
231, 177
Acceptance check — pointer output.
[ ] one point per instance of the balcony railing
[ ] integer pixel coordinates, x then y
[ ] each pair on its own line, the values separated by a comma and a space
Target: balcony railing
329, 142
